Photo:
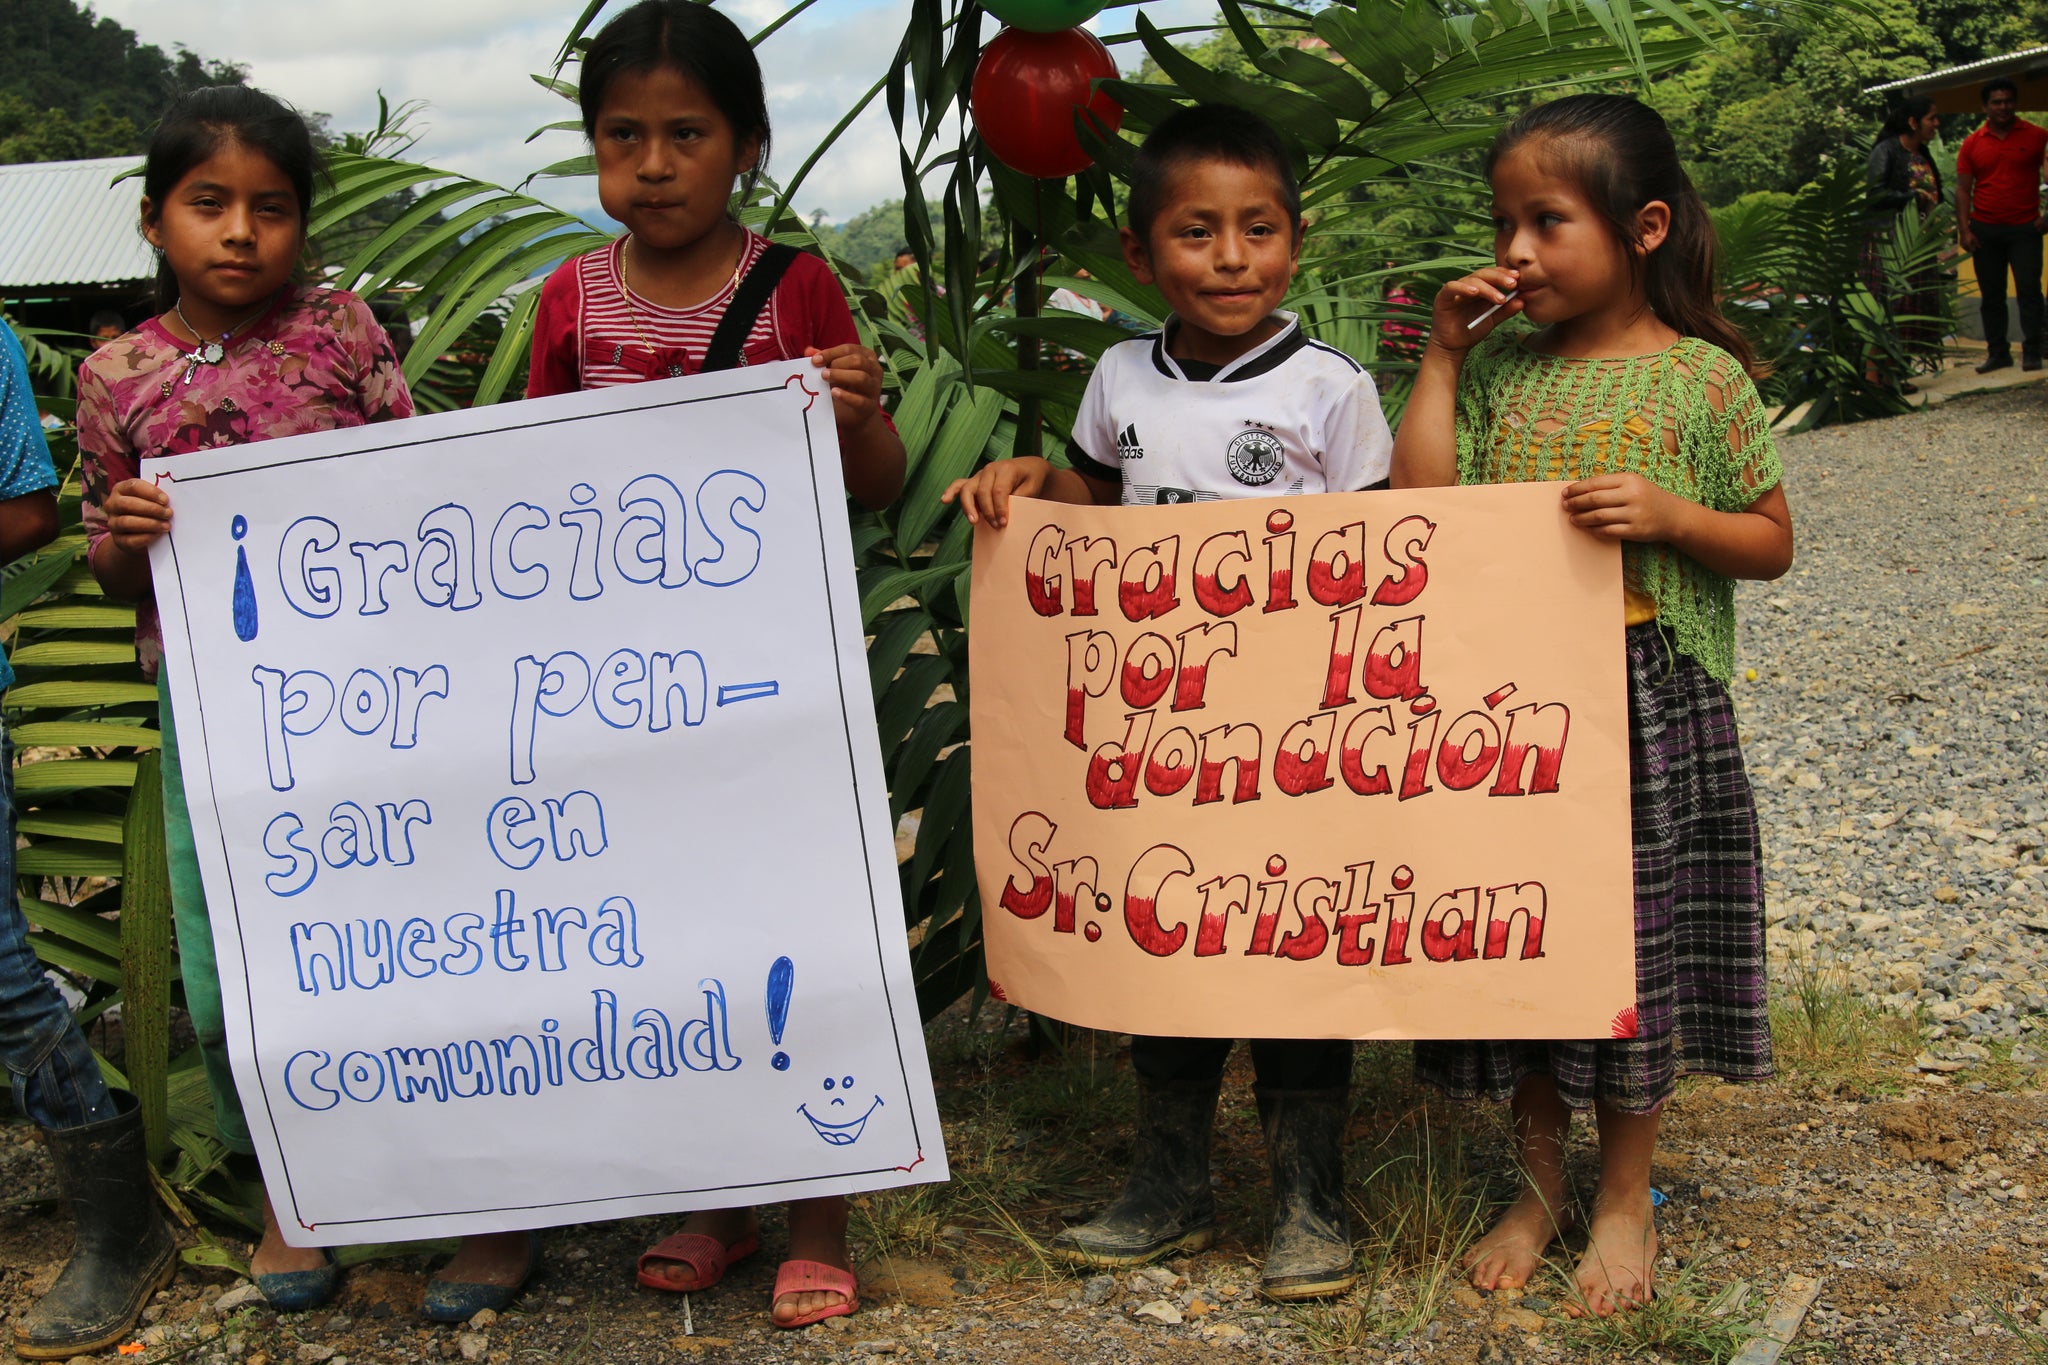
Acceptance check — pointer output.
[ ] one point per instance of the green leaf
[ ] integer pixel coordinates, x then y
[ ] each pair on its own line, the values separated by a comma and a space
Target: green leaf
211, 1255
66, 956
1147, 306
73, 774
895, 634
98, 826
956, 450
1290, 110
66, 858
568, 168
885, 589
1045, 385
359, 182
84, 734
87, 931
511, 350
76, 694
1090, 336
28, 581
937, 727
65, 653
918, 414
567, 125
77, 618
146, 953
956, 882
566, 89
908, 696
946, 810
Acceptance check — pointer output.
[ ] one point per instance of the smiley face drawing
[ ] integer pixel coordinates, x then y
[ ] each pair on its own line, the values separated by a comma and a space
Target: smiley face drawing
841, 1131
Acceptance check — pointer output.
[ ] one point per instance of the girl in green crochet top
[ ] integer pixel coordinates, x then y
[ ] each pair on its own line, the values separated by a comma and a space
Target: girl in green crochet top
1632, 391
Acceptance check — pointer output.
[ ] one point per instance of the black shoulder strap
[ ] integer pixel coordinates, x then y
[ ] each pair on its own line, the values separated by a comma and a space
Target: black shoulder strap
724, 352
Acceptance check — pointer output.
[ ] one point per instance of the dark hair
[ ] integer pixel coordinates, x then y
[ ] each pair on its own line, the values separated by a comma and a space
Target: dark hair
1209, 132
1620, 155
199, 124
1910, 111
696, 40
106, 317
1992, 87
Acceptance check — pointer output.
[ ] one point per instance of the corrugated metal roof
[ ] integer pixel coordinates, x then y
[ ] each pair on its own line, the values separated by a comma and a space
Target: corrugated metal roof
2013, 64
66, 223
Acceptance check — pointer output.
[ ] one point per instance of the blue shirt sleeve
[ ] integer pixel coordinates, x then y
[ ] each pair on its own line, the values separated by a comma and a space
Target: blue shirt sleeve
25, 463
24, 452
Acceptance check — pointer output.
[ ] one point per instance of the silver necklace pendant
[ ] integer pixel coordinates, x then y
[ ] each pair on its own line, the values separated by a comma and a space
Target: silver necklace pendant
210, 353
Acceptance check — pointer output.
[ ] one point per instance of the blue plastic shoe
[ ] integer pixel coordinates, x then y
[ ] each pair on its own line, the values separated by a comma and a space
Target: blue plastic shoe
294, 1291
460, 1300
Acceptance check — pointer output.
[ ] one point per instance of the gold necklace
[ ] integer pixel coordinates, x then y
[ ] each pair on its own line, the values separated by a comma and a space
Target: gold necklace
633, 314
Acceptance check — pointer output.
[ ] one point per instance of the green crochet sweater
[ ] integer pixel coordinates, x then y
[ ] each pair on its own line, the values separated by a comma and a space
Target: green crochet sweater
1687, 419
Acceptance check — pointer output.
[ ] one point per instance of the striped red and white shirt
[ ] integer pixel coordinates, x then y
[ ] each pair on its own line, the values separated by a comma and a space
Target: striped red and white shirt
589, 334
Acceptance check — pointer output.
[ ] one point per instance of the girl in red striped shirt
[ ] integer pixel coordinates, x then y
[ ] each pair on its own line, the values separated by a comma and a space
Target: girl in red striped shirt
673, 104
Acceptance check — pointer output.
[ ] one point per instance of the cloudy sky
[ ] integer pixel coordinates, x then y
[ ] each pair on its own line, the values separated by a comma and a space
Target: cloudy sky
470, 59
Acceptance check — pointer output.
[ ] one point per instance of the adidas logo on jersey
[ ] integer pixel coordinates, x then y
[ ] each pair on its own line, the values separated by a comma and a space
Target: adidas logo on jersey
1127, 446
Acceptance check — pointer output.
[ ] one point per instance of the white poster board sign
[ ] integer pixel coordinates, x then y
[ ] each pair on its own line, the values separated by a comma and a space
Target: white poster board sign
532, 764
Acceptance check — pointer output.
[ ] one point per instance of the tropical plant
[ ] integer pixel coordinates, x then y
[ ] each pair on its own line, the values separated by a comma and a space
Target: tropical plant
1374, 95
89, 859
1795, 277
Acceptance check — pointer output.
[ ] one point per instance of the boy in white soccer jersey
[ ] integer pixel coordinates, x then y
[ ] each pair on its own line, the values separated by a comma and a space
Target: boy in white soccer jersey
1229, 400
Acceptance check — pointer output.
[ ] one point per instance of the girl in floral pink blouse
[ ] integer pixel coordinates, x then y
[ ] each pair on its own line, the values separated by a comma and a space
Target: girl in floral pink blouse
241, 352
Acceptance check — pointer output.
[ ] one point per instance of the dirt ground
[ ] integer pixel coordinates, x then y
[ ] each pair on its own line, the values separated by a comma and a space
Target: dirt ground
1910, 1199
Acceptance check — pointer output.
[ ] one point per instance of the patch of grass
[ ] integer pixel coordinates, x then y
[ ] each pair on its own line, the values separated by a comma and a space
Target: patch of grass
2033, 1342
1336, 1328
1684, 1321
2001, 1073
1017, 1135
1416, 1207
1822, 1026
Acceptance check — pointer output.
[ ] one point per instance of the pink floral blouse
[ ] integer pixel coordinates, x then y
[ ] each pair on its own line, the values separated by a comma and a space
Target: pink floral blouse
315, 362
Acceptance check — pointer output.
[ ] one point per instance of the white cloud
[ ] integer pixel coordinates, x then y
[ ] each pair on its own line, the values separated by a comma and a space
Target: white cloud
470, 61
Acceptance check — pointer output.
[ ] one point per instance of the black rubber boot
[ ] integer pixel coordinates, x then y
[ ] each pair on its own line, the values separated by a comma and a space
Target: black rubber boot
123, 1253
1309, 1253
1166, 1205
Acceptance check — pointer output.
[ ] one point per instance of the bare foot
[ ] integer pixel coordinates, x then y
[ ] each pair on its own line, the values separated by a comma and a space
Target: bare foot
504, 1258
817, 1232
275, 1256
1621, 1255
724, 1226
1512, 1250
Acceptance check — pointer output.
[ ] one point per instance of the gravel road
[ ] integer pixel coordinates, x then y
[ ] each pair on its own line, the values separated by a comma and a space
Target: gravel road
1894, 728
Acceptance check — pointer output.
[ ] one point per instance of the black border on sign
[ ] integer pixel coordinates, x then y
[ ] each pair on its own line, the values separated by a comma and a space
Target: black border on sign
852, 763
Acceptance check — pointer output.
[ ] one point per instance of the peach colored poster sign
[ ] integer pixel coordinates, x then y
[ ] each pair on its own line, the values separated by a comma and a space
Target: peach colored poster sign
1348, 766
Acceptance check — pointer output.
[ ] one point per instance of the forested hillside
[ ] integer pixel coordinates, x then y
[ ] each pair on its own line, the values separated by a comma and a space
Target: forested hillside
1768, 112
76, 85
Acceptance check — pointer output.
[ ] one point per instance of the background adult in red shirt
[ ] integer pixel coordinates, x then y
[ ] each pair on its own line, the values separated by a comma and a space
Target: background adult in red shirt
1999, 218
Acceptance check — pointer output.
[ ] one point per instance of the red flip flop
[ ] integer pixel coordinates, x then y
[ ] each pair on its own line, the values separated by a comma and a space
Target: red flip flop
800, 1277
708, 1256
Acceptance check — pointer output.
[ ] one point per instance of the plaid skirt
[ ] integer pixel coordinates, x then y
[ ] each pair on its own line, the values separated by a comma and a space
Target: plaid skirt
1699, 913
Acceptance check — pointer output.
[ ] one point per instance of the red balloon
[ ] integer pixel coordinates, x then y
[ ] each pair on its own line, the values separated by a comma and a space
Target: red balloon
1026, 89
